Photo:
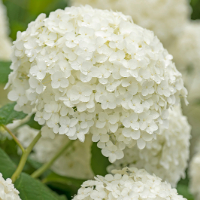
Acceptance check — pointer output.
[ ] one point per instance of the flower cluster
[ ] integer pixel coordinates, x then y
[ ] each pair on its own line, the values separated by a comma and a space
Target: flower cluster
7, 190
195, 176
74, 162
169, 152
5, 43
168, 20
87, 70
127, 184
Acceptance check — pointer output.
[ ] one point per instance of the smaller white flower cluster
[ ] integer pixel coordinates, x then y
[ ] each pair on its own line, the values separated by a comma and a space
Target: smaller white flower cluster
127, 184
87, 70
7, 190
167, 22
186, 49
195, 176
5, 42
74, 162
168, 153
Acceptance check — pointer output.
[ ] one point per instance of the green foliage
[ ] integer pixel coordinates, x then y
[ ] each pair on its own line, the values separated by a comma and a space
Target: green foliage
62, 184
36, 165
32, 189
183, 187
184, 191
4, 71
68, 181
8, 145
98, 162
7, 167
195, 9
8, 114
29, 188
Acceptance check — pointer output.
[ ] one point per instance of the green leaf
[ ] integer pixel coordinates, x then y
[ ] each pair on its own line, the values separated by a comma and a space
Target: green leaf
63, 184
10, 147
184, 191
33, 124
32, 189
55, 178
36, 165
4, 71
7, 167
99, 163
8, 114
29, 188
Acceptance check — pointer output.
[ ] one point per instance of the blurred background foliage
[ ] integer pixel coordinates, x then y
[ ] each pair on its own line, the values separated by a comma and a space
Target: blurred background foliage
196, 9
21, 12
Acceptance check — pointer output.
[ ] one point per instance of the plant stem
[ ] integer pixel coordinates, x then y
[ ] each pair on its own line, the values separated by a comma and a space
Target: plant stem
47, 165
14, 138
24, 158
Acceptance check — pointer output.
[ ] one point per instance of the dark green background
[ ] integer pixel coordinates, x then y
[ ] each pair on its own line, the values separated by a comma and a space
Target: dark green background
21, 12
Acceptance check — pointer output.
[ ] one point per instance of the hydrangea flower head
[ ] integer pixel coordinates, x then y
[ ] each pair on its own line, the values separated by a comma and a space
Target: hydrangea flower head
87, 70
167, 22
7, 190
5, 43
127, 184
169, 152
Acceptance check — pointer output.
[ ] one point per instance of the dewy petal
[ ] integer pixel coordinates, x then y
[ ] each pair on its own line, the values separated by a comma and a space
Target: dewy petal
13, 96
141, 143
135, 134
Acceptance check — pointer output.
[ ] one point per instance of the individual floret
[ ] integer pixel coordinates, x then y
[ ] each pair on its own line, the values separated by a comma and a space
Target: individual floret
165, 17
127, 184
7, 190
87, 70
167, 156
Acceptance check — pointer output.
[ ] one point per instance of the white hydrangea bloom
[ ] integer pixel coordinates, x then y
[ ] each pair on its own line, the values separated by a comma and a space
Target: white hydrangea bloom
195, 176
169, 152
188, 46
7, 190
167, 22
87, 70
74, 162
127, 184
5, 42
